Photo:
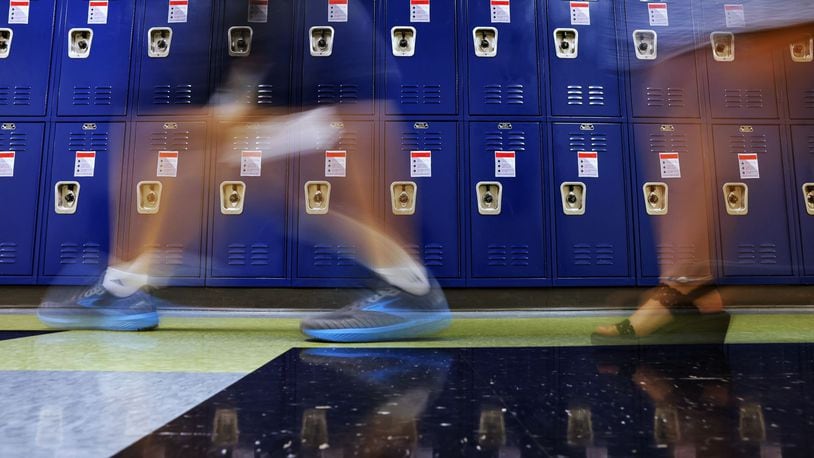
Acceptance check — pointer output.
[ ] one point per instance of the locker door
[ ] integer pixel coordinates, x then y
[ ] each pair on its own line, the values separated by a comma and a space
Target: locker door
803, 144
799, 62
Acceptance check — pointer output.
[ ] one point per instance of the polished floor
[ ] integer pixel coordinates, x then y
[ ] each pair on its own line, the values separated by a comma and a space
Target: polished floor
497, 385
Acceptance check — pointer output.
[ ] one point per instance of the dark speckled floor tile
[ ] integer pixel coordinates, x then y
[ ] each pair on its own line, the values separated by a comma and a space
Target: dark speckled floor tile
678, 401
8, 335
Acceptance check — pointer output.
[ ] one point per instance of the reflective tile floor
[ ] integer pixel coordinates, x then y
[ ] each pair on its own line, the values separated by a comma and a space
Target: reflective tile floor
501, 386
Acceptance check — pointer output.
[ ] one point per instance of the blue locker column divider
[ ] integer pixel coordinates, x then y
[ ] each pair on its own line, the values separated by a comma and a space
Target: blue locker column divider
803, 188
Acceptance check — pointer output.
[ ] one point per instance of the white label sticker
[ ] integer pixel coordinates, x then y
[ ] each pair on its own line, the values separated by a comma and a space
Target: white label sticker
18, 12
419, 10
336, 163
337, 10
580, 13
657, 12
588, 164
97, 12
734, 16
259, 11
669, 165
7, 163
505, 164
167, 164
179, 10
501, 11
251, 163
420, 164
747, 163
84, 164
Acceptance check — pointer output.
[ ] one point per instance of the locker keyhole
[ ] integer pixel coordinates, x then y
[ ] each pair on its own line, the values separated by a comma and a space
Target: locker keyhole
318, 198
488, 198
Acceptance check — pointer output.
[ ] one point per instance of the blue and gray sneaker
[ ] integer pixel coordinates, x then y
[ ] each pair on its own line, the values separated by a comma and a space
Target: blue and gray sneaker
389, 313
96, 308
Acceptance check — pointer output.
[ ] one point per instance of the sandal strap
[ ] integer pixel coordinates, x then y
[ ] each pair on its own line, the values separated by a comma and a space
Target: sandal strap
669, 297
624, 328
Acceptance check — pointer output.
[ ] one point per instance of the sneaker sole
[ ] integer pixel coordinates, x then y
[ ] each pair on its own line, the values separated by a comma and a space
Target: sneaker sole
408, 330
141, 322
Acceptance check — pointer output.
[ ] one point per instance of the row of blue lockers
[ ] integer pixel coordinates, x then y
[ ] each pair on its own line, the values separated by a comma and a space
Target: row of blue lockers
477, 57
493, 203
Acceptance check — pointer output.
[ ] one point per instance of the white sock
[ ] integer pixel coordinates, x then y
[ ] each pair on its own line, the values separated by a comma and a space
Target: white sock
411, 277
121, 283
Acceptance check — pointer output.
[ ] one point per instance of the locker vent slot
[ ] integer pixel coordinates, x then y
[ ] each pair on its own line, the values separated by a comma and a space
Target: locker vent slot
431, 141
514, 140
508, 255
576, 95
592, 142
748, 144
668, 254
410, 142
165, 94
808, 98
765, 253
256, 254
330, 255
76, 253
348, 141
170, 140
497, 94
14, 141
811, 144
432, 254
672, 142
8, 253
743, 98
330, 94
671, 97
171, 254
18, 95
262, 94
586, 254
255, 141
88, 141
425, 94
87, 95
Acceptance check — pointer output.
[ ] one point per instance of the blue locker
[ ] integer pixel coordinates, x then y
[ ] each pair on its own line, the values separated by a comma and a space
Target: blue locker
508, 236
173, 47
423, 209
25, 53
420, 66
338, 59
674, 233
79, 219
20, 160
95, 60
255, 46
502, 57
803, 147
663, 76
750, 246
249, 205
740, 73
167, 212
323, 250
799, 61
590, 226
583, 58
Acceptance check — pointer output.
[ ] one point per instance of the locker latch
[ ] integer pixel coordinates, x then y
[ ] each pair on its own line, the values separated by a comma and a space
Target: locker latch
403, 41
314, 432
148, 197
402, 197
580, 431
803, 50
667, 429
226, 430
5, 42
645, 43
808, 197
723, 46
160, 40
566, 42
232, 196
240, 41
66, 197
485, 39
751, 423
492, 429
317, 197
656, 198
736, 198
573, 198
490, 195
322, 41
79, 42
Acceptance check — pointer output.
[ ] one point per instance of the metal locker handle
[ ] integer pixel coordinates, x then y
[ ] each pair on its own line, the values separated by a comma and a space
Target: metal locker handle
79, 43
490, 197
232, 197
723, 46
66, 197
403, 196
240, 41
159, 42
656, 198
322, 41
808, 198
317, 197
485, 41
736, 198
566, 43
148, 197
403, 41
6, 36
645, 44
574, 195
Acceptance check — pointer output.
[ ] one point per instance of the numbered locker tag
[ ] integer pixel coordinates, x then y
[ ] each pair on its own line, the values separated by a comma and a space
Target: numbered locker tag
259, 11
657, 12
251, 163
505, 164
337, 10
749, 169
97, 12
580, 13
588, 164
419, 10
501, 11
167, 164
7, 163
18, 11
336, 163
735, 16
420, 164
84, 164
669, 165
179, 11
